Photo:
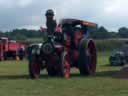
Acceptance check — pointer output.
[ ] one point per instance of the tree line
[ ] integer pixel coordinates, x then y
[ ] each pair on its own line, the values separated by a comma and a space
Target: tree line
100, 33
103, 33
22, 34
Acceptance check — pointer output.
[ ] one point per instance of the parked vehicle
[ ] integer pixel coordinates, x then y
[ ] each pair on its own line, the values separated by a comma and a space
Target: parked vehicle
119, 57
10, 48
73, 47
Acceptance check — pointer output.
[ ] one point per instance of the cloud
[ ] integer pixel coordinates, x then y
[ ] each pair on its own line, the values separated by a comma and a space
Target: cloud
22, 13
117, 7
15, 3
23, 3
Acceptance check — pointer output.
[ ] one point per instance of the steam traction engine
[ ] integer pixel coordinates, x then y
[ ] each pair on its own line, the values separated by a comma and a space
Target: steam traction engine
71, 46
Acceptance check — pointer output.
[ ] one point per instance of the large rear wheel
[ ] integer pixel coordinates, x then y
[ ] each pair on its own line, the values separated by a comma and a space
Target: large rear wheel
88, 57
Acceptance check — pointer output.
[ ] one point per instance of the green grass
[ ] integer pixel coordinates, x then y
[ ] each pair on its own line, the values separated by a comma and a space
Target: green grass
35, 40
14, 81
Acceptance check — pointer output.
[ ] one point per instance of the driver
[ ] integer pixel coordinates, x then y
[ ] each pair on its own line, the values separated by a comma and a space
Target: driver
50, 22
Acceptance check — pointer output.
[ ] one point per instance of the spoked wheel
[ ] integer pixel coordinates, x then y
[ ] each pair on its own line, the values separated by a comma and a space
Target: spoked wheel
34, 68
65, 65
88, 57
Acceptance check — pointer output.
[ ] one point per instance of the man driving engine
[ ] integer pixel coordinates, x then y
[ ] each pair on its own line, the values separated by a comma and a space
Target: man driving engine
50, 22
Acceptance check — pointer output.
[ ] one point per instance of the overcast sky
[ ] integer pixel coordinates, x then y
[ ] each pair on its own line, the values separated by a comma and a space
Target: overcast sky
30, 13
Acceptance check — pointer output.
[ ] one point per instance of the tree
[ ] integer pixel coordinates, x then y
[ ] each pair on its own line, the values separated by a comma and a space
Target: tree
102, 33
123, 32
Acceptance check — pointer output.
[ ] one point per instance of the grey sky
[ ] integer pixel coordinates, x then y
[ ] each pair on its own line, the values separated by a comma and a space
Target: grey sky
30, 13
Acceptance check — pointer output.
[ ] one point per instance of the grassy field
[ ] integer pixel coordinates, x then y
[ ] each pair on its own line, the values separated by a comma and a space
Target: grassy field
14, 81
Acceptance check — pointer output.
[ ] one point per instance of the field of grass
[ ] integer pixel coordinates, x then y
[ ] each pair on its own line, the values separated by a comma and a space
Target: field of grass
14, 81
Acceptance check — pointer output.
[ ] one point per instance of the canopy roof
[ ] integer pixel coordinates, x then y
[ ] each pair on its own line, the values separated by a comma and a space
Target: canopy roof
77, 22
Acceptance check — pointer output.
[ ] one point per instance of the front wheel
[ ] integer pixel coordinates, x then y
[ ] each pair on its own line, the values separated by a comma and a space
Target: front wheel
34, 68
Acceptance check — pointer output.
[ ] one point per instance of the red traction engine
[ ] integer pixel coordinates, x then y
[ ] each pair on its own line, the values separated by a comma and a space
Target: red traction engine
72, 47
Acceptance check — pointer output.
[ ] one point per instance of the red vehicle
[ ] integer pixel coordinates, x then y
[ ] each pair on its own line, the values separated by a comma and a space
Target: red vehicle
9, 48
73, 47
